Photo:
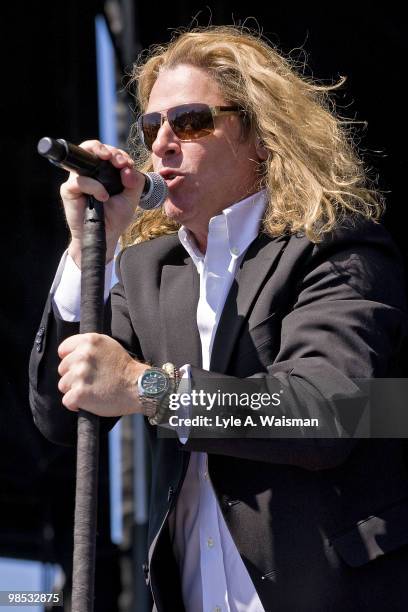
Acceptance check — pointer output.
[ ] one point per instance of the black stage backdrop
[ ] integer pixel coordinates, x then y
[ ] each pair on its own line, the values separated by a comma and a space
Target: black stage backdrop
49, 88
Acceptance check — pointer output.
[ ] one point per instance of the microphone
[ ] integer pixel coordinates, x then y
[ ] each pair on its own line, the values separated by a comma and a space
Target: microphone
71, 157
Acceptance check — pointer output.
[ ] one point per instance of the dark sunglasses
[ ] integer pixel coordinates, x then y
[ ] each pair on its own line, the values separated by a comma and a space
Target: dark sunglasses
188, 121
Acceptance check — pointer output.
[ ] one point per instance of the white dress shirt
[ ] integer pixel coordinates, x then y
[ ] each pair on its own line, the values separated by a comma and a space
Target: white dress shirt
213, 575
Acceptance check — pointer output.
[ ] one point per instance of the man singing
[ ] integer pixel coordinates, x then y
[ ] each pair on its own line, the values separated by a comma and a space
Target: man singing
266, 262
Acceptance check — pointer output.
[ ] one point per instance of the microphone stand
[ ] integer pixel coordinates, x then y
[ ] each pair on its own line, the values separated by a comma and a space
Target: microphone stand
93, 255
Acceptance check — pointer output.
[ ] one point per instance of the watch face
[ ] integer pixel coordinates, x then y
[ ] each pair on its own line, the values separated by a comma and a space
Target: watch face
154, 383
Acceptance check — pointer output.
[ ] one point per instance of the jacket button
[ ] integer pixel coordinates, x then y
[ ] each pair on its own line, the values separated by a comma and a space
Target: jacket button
272, 575
229, 503
170, 493
145, 569
39, 339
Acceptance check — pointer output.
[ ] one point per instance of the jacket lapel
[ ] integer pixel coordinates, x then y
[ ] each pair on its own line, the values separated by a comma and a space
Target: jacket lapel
259, 262
179, 293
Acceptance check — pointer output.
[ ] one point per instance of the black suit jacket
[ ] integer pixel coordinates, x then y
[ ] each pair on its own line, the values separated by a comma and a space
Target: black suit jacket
321, 524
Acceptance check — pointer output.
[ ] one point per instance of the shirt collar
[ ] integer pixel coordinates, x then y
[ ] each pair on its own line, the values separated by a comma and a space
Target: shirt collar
239, 222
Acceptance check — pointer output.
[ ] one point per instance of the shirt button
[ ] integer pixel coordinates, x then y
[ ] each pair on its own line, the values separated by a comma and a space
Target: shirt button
210, 542
235, 250
205, 475
217, 609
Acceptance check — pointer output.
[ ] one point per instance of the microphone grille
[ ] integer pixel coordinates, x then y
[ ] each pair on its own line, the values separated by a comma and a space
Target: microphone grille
156, 194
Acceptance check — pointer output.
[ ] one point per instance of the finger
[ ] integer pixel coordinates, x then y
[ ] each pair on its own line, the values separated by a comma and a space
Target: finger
78, 185
85, 342
65, 383
70, 344
120, 159
69, 361
105, 151
97, 148
121, 151
77, 376
70, 400
77, 367
132, 179
63, 367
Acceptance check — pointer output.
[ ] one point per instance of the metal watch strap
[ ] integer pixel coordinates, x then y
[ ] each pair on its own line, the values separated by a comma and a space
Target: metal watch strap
149, 406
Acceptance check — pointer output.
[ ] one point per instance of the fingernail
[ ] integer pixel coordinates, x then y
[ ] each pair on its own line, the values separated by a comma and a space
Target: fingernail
120, 158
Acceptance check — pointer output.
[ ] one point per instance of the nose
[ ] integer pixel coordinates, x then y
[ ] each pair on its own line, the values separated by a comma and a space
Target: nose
166, 142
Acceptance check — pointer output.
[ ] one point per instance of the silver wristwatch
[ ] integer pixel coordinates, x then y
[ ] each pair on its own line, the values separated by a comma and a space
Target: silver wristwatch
155, 386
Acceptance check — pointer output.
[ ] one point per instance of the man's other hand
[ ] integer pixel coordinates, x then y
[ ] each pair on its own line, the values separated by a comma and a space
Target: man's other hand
98, 375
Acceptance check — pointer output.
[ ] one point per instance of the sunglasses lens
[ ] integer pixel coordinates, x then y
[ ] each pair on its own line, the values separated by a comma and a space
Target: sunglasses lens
191, 121
149, 125
188, 122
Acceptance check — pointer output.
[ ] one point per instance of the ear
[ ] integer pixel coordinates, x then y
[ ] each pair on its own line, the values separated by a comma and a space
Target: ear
261, 150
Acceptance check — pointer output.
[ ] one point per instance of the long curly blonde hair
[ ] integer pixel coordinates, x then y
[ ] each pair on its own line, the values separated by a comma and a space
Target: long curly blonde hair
313, 174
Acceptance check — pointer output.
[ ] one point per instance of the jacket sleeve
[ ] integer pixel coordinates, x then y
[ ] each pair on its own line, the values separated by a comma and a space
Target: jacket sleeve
347, 323
56, 423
